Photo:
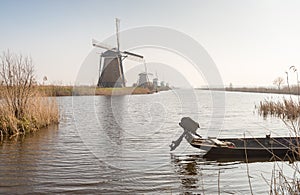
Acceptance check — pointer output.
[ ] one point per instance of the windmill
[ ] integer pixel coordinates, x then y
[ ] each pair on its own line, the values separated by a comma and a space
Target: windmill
111, 72
143, 80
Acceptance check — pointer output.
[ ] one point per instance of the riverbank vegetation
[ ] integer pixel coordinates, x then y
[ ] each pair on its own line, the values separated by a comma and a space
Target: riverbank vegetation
54, 90
288, 110
23, 108
57, 90
293, 90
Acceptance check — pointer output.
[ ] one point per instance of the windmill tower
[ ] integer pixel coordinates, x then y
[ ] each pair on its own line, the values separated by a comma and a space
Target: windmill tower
111, 72
143, 80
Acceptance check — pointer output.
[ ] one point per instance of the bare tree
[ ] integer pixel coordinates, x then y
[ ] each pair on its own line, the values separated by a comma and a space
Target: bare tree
17, 74
278, 82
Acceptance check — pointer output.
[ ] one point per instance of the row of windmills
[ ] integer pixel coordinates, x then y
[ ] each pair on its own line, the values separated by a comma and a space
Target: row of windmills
144, 81
111, 72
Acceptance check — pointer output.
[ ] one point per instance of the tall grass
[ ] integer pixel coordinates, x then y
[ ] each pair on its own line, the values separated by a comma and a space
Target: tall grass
281, 184
288, 110
52, 90
22, 108
39, 112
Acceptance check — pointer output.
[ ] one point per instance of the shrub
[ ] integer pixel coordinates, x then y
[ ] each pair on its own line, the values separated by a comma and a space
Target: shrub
22, 107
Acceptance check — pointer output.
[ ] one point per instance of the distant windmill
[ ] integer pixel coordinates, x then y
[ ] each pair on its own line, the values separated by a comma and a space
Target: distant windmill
143, 80
111, 72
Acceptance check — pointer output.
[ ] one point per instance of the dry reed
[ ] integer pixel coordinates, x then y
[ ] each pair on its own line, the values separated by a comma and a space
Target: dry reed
281, 184
39, 112
22, 107
286, 109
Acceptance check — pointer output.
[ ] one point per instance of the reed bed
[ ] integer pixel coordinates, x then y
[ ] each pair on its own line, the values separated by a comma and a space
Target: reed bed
54, 90
281, 184
39, 112
286, 109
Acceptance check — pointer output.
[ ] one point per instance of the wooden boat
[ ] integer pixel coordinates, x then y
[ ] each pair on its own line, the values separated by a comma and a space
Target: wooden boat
240, 149
249, 149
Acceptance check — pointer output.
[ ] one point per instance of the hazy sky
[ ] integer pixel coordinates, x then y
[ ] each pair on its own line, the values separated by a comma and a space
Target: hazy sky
251, 42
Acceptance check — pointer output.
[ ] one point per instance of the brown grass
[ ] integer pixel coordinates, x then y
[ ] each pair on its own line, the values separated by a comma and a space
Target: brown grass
55, 90
39, 112
281, 184
51, 90
121, 91
286, 109
23, 108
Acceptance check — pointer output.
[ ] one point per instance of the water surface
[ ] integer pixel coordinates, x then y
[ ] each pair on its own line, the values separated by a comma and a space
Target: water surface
121, 145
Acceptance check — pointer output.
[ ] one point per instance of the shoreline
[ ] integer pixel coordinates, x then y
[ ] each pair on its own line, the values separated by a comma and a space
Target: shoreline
285, 91
56, 91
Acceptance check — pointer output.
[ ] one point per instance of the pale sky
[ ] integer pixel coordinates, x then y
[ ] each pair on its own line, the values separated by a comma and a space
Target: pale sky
251, 42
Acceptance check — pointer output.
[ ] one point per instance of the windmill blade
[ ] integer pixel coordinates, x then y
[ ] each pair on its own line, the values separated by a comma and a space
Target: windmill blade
117, 33
133, 54
134, 58
101, 45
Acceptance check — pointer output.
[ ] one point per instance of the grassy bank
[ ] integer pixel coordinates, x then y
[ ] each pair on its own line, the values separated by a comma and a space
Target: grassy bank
110, 91
294, 90
39, 112
52, 90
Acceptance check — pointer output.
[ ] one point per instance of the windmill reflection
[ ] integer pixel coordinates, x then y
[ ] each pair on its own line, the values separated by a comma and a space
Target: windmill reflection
110, 116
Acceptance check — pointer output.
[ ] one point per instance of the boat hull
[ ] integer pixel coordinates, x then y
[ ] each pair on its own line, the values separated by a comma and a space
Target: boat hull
242, 154
252, 149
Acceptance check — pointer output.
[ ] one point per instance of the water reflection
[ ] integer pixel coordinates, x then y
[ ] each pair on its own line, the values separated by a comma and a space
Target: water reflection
110, 113
21, 157
128, 134
187, 168
200, 176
